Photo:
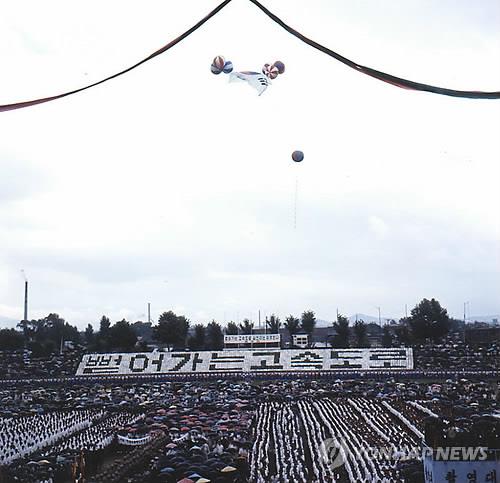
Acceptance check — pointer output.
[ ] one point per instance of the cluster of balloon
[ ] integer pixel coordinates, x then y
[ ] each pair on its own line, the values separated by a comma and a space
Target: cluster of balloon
219, 64
258, 80
297, 156
273, 70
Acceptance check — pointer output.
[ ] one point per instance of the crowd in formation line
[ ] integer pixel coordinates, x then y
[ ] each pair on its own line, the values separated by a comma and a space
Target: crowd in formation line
231, 430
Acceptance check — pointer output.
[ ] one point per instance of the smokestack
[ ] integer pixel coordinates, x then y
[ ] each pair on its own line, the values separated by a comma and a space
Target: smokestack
149, 312
25, 295
26, 300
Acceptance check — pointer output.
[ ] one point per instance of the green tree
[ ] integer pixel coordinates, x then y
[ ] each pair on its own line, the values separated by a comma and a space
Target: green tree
11, 339
28, 327
429, 321
292, 325
103, 339
89, 335
122, 335
341, 338
52, 328
198, 340
70, 332
232, 328
104, 325
308, 323
215, 337
403, 334
273, 324
246, 327
171, 330
143, 330
183, 327
48, 333
164, 332
55, 329
386, 337
360, 334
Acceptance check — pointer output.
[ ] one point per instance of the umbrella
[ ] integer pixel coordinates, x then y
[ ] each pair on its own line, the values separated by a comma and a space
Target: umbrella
167, 470
185, 480
228, 469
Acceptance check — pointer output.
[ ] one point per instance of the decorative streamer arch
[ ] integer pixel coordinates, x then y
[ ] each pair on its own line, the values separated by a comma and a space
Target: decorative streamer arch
382, 76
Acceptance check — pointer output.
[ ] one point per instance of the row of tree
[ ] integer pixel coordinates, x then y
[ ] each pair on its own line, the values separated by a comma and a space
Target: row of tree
428, 322
42, 336
292, 324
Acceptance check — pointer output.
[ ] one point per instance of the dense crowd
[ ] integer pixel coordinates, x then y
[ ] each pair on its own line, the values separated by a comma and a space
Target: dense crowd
230, 431
457, 356
21, 364
26, 435
54, 426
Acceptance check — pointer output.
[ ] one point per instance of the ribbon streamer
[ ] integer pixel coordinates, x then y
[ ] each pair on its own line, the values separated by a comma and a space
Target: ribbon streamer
383, 76
19, 105
390, 79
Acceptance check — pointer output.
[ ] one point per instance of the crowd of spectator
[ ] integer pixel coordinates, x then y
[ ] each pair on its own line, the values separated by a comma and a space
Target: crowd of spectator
457, 356
54, 425
21, 364
217, 430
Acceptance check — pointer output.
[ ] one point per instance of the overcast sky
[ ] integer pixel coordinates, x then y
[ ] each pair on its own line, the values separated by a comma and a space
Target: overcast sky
172, 186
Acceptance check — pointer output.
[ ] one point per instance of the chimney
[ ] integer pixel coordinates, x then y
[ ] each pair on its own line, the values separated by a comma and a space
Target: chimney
26, 300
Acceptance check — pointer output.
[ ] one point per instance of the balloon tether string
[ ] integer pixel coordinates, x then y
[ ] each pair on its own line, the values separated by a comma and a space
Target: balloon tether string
295, 203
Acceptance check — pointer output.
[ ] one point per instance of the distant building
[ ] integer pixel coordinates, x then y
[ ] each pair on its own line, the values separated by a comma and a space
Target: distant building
321, 337
300, 340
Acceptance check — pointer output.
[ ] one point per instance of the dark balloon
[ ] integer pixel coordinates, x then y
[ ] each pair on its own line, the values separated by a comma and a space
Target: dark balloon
297, 156
280, 66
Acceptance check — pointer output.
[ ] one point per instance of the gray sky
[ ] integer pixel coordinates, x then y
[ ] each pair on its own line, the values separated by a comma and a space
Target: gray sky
171, 186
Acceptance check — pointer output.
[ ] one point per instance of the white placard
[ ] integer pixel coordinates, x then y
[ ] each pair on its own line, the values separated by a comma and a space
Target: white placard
245, 361
252, 338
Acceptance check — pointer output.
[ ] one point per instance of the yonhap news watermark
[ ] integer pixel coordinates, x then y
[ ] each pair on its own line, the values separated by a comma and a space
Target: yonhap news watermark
335, 451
